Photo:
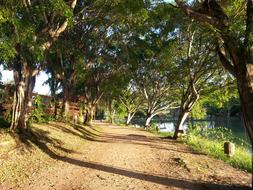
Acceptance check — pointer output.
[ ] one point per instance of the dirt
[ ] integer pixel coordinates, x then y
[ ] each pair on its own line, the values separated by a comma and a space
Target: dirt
126, 158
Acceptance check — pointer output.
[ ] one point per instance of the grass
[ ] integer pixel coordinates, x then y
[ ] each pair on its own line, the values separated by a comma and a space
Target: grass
159, 133
55, 138
242, 158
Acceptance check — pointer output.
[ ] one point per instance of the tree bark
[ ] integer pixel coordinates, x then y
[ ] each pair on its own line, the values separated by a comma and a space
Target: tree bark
244, 84
66, 97
148, 120
24, 84
188, 101
181, 119
89, 115
111, 112
129, 117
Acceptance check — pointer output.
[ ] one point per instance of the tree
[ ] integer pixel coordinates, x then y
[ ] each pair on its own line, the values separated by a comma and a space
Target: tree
197, 67
90, 86
234, 34
30, 28
131, 100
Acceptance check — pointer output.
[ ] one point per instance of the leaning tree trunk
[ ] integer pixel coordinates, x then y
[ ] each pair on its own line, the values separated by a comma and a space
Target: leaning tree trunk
129, 117
24, 84
181, 119
188, 102
148, 119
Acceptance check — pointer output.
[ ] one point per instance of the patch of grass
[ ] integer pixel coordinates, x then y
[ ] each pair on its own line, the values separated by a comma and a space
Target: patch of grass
41, 146
214, 147
242, 158
159, 133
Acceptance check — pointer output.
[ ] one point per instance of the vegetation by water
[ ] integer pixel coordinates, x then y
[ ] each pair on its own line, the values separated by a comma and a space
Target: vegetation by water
211, 142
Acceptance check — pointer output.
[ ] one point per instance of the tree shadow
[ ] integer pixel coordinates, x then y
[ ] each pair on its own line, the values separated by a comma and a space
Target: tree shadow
143, 140
154, 178
78, 133
42, 140
39, 138
82, 129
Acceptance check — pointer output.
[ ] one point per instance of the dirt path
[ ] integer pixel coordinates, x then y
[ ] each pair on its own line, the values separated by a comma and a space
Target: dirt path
126, 158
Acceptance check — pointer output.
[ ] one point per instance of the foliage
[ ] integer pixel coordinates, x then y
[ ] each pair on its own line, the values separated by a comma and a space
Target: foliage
218, 134
4, 123
198, 111
38, 114
3, 96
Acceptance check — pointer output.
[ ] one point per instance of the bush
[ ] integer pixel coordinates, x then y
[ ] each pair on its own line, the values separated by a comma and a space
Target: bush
38, 114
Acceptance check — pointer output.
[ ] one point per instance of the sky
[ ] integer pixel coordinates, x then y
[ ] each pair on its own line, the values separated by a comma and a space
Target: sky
7, 76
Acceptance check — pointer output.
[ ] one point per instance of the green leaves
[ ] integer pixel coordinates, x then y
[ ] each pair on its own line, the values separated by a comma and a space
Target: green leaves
60, 7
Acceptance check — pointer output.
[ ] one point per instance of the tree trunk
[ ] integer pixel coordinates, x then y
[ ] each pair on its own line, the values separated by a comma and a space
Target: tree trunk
129, 117
186, 106
89, 115
181, 119
56, 104
66, 99
245, 88
24, 84
111, 112
148, 120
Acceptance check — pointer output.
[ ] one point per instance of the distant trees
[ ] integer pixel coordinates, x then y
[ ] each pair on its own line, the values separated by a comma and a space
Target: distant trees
131, 99
140, 56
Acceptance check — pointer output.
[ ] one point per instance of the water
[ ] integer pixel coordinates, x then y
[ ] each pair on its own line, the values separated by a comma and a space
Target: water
235, 124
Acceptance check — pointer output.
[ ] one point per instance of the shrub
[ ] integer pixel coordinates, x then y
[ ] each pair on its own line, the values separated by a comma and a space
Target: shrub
38, 114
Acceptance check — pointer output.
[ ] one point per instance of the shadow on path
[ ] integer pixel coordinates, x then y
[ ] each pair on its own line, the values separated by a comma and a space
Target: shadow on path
155, 178
40, 138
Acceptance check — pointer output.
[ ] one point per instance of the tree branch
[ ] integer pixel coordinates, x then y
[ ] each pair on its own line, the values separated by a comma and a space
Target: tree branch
54, 34
225, 62
196, 15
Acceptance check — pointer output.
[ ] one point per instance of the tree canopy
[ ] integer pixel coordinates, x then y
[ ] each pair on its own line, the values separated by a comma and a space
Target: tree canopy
151, 56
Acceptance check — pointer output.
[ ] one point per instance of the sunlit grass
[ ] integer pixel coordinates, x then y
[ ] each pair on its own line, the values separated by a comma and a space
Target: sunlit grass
242, 158
61, 139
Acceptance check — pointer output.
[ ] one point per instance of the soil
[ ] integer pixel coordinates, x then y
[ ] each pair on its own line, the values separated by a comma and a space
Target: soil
123, 158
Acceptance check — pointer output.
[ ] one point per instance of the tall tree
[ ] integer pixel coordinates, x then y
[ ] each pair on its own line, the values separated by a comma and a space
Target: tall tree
31, 27
232, 23
197, 67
